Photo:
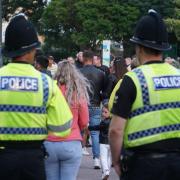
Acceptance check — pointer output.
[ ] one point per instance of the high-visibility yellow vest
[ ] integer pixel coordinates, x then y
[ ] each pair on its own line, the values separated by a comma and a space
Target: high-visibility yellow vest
155, 114
113, 94
31, 105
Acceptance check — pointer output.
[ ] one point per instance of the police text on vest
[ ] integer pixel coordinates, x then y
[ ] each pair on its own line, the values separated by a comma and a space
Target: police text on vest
16, 83
166, 82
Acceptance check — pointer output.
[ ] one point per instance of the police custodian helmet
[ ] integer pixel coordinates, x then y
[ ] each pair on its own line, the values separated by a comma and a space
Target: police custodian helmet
151, 32
20, 37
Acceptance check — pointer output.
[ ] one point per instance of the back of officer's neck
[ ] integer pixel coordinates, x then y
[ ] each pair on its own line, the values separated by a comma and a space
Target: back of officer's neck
27, 58
149, 58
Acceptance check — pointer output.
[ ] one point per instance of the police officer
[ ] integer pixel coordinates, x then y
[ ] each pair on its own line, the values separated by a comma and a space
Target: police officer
146, 110
31, 105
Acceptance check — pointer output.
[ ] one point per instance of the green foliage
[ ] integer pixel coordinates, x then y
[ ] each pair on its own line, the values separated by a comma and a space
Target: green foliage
173, 23
174, 26
70, 25
85, 23
32, 8
169, 9
164, 7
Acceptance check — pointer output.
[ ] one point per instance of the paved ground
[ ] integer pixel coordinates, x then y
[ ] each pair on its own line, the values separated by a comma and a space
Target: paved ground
88, 173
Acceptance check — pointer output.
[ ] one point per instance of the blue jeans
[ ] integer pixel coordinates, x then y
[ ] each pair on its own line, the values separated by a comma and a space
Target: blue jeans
94, 119
64, 160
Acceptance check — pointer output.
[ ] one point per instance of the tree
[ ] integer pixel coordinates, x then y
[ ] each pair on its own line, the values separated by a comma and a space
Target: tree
165, 8
32, 8
73, 24
174, 22
169, 9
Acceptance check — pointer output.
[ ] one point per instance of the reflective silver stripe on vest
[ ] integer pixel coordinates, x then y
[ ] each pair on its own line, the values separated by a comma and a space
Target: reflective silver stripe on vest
45, 89
61, 128
153, 131
34, 131
156, 107
144, 86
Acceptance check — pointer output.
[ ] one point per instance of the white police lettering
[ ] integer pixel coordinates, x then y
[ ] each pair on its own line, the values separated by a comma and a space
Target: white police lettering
166, 82
14, 83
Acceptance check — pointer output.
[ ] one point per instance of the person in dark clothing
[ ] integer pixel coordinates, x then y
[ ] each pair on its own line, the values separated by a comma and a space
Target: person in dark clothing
79, 60
112, 81
31, 106
105, 154
97, 81
118, 70
97, 61
96, 78
41, 64
146, 110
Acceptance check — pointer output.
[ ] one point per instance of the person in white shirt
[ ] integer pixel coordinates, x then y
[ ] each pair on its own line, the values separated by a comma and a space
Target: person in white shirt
52, 66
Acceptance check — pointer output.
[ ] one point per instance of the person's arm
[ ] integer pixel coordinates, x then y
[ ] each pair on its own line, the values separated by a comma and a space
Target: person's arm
116, 132
83, 114
124, 99
104, 94
59, 116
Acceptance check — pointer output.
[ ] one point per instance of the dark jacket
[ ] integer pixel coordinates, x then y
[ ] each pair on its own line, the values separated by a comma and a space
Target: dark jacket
103, 128
78, 64
112, 81
97, 81
45, 71
105, 69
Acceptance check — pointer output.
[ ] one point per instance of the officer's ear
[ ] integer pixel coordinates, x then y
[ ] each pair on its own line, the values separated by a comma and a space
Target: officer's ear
139, 53
141, 49
137, 48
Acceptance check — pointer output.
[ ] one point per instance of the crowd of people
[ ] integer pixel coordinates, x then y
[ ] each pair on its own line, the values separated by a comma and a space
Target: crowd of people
98, 83
87, 85
49, 111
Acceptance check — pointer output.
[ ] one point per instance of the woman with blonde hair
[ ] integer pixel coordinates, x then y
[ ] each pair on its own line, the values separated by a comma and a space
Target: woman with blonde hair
65, 153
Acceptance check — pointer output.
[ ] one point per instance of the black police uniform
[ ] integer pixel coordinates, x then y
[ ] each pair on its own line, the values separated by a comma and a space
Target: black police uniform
21, 160
159, 160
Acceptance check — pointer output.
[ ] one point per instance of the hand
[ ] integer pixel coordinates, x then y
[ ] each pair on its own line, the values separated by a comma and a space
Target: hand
117, 169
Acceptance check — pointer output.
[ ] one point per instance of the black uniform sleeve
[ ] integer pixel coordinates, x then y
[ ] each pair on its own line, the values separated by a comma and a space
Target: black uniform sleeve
125, 96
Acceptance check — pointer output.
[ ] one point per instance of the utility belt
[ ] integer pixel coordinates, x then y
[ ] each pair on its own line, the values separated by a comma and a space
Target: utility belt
129, 157
21, 144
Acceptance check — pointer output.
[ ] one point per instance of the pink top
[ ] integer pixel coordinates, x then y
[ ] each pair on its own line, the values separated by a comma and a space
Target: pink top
80, 120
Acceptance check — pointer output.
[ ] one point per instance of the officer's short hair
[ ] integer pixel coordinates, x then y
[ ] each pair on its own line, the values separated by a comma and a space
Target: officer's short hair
151, 51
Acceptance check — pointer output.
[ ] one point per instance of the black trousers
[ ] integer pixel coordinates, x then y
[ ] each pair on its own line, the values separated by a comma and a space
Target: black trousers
158, 168
22, 164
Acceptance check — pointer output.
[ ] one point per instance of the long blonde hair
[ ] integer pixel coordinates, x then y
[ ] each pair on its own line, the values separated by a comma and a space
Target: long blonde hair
74, 81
